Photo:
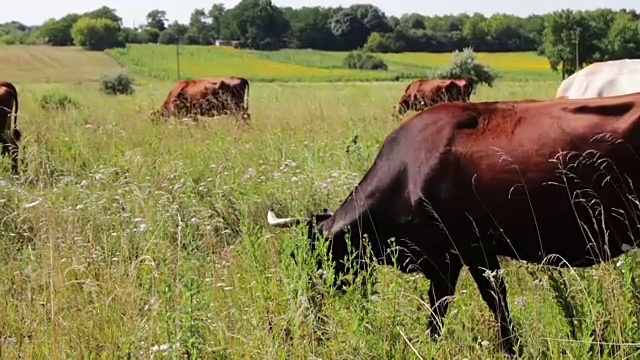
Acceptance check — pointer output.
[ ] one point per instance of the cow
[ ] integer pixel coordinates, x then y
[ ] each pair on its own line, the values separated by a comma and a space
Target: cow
609, 78
9, 138
422, 93
460, 184
208, 97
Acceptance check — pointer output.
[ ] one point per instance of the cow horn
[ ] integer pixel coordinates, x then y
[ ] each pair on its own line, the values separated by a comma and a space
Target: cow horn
281, 222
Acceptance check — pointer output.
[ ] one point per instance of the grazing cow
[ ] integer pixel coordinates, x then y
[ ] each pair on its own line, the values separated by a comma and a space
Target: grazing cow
9, 138
421, 94
609, 78
208, 97
460, 184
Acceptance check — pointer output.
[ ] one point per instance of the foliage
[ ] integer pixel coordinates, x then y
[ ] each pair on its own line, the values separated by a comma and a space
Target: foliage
364, 61
117, 83
259, 24
56, 100
95, 33
58, 32
157, 19
576, 38
464, 65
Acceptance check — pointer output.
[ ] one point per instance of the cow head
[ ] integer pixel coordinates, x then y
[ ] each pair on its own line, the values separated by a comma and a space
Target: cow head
403, 105
319, 224
466, 88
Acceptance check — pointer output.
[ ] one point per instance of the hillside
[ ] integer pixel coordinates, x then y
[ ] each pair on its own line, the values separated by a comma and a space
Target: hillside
52, 64
159, 61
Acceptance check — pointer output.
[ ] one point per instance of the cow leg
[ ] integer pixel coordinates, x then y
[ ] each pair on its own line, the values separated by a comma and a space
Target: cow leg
486, 271
11, 148
444, 278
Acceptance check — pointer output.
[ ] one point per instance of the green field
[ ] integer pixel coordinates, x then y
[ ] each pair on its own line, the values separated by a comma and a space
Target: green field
124, 237
160, 62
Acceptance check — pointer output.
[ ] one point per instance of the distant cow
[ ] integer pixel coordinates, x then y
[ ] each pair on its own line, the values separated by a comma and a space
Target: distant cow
423, 93
463, 183
208, 97
609, 78
9, 138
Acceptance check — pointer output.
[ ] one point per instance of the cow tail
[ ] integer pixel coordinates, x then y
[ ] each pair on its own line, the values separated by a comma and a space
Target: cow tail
17, 135
246, 100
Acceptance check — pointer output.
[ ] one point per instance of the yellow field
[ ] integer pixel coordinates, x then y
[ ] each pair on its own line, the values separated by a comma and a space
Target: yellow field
520, 61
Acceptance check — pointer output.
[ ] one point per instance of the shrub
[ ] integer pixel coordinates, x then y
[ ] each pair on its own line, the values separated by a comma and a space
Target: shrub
364, 61
56, 100
117, 83
95, 34
464, 65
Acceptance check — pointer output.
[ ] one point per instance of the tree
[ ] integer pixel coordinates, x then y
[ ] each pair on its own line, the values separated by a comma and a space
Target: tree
372, 17
623, 39
347, 26
464, 65
149, 35
310, 28
199, 30
167, 37
105, 12
157, 19
561, 38
260, 24
95, 34
58, 32
216, 15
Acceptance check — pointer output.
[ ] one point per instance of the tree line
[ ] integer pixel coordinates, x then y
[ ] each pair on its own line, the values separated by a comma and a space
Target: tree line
567, 38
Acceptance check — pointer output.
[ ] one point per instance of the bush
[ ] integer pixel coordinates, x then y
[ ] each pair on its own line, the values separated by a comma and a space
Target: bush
117, 83
56, 100
378, 43
95, 34
464, 65
364, 61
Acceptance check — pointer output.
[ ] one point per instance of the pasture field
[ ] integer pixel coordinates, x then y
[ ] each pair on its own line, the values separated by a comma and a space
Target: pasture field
159, 62
40, 64
125, 239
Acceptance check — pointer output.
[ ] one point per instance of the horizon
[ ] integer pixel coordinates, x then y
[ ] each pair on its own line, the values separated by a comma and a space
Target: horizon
132, 16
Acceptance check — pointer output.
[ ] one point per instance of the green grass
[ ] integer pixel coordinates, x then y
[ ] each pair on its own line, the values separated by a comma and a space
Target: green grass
28, 64
123, 237
159, 62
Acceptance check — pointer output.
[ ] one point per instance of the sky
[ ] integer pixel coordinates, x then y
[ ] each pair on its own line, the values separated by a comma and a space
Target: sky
35, 12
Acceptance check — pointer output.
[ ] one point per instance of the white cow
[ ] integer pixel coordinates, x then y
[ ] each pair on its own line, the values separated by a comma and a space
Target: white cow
609, 78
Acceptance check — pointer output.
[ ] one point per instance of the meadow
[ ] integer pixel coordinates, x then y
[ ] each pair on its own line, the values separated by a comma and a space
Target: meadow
125, 239
160, 62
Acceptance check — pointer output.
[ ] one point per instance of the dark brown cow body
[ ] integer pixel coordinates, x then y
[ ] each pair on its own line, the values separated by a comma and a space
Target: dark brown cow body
208, 97
503, 179
9, 138
421, 94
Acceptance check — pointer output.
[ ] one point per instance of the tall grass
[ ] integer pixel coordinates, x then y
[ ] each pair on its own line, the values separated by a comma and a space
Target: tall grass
127, 239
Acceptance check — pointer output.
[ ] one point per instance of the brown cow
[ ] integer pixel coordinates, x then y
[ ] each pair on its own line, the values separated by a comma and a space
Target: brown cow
423, 93
208, 97
460, 184
9, 138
